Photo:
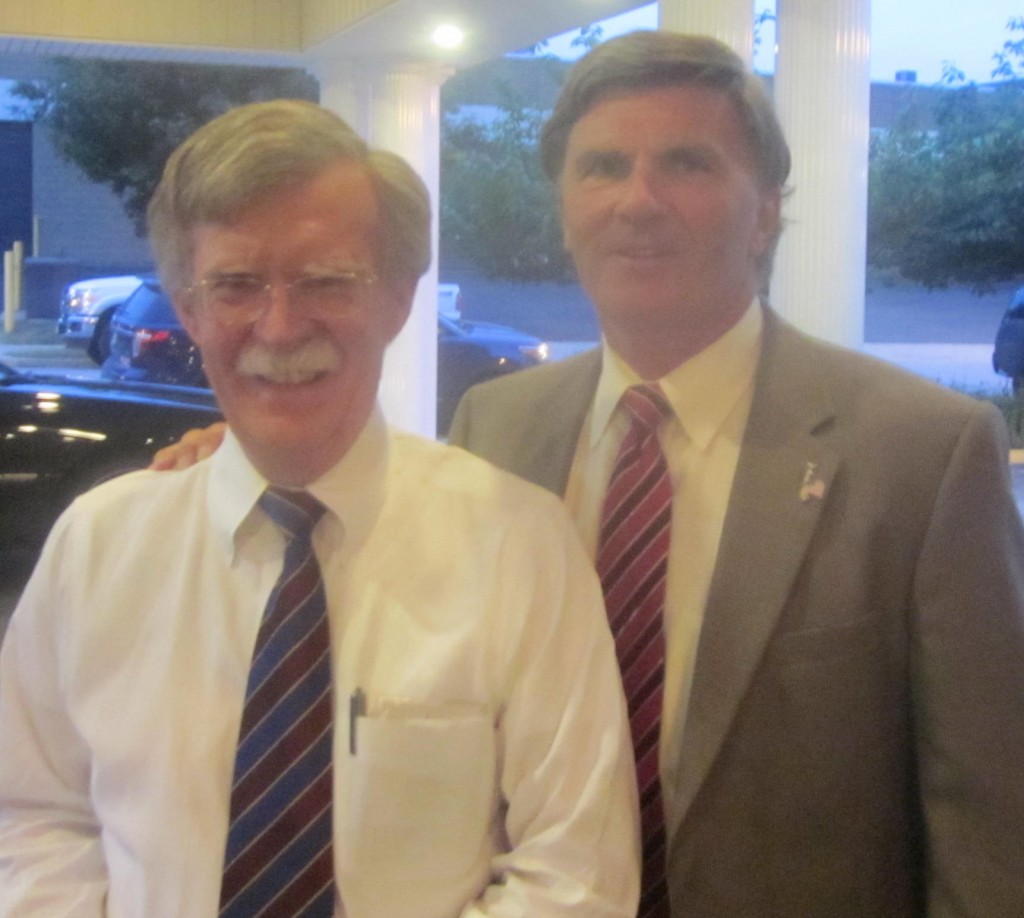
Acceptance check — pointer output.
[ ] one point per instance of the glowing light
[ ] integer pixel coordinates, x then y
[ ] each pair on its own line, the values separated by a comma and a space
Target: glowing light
448, 36
70, 433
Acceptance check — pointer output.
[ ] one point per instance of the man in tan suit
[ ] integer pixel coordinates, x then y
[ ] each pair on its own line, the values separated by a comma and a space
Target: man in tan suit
843, 726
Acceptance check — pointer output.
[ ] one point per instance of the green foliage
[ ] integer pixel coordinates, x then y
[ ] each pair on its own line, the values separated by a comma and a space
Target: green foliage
945, 205
1010, 60
761, 22
497, 208
118, 121
589, 38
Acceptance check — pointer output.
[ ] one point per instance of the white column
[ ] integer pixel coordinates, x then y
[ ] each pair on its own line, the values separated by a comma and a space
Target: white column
399, 109
822, 94
730, 21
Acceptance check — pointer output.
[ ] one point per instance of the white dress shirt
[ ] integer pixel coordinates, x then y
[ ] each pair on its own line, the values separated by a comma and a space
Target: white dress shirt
710, 395
490, 775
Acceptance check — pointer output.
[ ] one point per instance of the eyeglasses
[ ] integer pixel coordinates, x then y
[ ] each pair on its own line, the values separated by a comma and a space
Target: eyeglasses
236, 299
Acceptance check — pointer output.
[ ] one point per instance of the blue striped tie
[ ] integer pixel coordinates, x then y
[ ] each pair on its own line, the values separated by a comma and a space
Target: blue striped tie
279, 861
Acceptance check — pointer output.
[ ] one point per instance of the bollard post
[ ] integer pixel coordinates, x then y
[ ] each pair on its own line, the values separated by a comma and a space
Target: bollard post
9, 310
18, 248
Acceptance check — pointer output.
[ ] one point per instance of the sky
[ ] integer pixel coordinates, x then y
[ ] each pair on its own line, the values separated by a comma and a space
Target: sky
905, 35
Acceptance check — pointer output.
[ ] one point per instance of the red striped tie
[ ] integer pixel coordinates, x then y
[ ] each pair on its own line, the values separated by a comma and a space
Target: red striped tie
632, 561
278, 862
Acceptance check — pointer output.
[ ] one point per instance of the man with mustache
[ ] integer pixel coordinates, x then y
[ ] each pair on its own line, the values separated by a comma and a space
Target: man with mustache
336, 670
843, 590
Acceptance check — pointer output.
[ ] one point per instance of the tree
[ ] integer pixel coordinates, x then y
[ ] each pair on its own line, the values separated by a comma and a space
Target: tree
945, 204
497, 208
118, 121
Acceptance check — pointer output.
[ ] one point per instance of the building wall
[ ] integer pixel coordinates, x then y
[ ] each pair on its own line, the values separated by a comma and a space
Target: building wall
78, 219
15, 183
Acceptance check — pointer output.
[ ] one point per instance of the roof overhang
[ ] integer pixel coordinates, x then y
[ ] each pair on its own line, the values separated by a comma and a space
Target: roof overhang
289, 32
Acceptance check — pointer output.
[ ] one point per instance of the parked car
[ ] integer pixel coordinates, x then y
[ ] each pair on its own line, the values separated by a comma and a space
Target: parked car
148, 343
1008, 356
473, 352
449, 300
61, 436
86, 308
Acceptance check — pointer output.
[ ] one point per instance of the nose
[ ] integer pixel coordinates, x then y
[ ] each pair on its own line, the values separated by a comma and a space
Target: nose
279, 322
641, 193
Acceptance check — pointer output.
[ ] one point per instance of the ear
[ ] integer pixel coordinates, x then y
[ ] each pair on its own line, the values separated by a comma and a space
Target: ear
769, 217
560, 206
396, 304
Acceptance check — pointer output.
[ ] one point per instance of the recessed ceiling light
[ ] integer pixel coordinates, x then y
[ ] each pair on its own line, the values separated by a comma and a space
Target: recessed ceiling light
448, 36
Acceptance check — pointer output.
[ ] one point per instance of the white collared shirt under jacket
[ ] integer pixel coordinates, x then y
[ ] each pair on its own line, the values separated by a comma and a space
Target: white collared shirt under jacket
490, 775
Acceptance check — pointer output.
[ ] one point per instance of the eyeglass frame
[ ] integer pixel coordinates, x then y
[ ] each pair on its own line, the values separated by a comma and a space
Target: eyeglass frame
261, 290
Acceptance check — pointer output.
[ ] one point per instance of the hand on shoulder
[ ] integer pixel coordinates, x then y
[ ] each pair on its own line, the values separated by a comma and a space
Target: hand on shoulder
193, 447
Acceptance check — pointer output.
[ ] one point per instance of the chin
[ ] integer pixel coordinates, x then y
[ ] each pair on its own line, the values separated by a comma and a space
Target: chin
294, 454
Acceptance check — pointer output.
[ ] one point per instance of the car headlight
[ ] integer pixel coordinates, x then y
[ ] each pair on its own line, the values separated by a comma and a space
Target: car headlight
537, 352
79, 300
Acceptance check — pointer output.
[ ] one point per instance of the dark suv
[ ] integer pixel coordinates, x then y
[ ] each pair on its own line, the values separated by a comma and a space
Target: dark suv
1008, 356
147, 342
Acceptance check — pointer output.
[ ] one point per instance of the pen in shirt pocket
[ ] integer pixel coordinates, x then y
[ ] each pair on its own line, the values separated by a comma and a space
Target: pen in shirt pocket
356, 709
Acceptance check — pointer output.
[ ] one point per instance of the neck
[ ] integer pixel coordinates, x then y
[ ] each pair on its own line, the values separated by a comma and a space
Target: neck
295, 467
654, 351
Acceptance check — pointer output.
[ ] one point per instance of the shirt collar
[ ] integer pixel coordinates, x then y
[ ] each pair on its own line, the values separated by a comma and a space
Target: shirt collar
702, 390
352, 490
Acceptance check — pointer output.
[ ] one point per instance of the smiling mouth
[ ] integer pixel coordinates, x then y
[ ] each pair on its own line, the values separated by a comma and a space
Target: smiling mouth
643, 247
643, 253
289, 378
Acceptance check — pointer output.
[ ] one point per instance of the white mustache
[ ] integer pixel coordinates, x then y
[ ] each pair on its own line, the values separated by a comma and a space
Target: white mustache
290, 367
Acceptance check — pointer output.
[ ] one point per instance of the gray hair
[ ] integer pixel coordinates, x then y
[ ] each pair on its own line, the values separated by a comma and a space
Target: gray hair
265, 147
651, 60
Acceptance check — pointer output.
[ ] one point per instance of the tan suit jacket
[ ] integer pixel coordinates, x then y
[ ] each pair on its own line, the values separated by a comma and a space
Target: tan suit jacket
854, 744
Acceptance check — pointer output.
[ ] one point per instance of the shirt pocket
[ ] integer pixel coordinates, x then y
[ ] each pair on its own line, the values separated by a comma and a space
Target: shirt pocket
418, 796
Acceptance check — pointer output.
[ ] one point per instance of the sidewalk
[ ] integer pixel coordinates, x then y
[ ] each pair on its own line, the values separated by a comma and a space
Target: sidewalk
34, 345
966, 367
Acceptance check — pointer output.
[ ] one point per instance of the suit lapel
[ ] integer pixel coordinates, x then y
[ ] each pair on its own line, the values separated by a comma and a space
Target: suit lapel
782, 481
556, 419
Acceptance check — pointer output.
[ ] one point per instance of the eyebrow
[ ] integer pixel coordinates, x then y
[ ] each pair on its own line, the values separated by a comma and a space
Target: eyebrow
588, 159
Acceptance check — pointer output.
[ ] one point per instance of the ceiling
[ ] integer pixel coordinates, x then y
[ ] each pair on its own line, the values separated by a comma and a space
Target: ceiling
288, 32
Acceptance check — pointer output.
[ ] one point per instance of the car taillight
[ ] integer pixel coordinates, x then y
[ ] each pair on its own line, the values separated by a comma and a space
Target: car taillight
145, 339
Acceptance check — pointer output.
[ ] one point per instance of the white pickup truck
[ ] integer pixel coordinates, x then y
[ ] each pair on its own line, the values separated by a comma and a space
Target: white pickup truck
86, 309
